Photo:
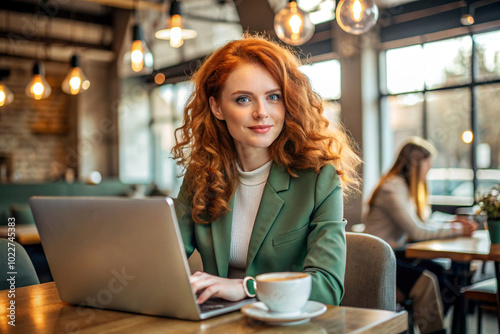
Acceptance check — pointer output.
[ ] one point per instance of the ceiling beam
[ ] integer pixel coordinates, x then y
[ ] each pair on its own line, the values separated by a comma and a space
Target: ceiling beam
208, 19
15, 38
131, 4
52, 10
24, 57
256, 15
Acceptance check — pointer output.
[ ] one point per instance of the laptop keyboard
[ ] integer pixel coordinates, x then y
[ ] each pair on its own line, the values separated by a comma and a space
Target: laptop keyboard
210, 305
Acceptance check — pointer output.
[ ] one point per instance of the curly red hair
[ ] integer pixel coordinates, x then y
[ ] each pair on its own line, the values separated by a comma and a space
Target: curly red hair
205, 147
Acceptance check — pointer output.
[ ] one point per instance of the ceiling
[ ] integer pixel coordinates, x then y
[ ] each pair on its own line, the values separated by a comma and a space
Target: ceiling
52, 30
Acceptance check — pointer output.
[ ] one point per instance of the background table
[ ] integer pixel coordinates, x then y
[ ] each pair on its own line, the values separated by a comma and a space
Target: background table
39, 310
25, 234
477, 247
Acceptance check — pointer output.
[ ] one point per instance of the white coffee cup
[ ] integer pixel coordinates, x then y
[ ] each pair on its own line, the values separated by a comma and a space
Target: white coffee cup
284, 292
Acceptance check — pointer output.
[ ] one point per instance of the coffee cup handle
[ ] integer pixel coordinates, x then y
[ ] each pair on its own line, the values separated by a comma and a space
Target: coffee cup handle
249, 286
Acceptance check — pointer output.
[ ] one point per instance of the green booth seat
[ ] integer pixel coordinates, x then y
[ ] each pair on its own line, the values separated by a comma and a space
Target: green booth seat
23, 268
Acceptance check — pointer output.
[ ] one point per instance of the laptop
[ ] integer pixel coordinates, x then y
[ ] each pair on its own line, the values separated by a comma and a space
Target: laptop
121, 254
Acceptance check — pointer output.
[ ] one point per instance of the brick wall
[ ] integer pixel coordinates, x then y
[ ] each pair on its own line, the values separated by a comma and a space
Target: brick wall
35, 135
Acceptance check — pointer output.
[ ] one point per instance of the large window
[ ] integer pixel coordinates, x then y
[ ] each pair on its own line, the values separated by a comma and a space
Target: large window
325, 80
448, 92
135, 138
168, 106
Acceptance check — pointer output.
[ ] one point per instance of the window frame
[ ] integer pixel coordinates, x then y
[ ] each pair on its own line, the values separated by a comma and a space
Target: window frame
474, 83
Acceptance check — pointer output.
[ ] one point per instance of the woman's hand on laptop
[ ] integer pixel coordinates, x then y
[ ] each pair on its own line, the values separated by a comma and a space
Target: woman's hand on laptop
215, 286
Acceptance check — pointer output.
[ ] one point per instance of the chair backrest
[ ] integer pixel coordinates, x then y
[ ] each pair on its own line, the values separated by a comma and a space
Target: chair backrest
370, 276
22, 214
25, 273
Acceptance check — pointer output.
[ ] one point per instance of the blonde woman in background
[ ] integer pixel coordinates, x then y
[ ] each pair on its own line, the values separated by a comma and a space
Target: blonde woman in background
398, 213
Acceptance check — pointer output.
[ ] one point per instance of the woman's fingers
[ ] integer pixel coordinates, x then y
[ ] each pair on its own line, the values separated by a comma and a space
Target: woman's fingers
196, 276
214, 286
210, 291
202, 283
469, 227
462, 219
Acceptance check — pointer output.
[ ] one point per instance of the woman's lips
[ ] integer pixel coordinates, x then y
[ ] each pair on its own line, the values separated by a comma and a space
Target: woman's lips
261, 128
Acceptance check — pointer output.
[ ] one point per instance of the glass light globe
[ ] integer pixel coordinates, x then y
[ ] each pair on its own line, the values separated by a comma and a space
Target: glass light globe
6, 95
175, 32
94, 178
467, 20
357, 16
141, 58
292, 25
38, 88
75, 82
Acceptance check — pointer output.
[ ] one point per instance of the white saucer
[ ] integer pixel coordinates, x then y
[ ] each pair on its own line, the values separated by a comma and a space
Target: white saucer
259, 311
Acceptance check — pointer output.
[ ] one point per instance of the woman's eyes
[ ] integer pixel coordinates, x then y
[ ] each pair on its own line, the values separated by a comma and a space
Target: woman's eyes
242, 99
274, 97
246, 99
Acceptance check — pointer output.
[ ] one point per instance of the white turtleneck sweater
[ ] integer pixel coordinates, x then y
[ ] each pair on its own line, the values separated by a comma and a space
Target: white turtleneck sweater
246, 204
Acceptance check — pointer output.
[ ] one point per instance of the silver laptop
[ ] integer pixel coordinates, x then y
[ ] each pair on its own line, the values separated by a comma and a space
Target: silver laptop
122, 254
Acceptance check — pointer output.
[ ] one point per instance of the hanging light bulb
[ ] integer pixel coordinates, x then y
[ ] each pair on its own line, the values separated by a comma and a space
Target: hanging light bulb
357, 16
174, 31
6, 95
38, 88
75, 82
140, 56
467, 18
292, 24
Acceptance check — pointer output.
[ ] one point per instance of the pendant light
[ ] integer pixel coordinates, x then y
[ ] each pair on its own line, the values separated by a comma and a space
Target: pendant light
467, 18
357, 16
75, 82
38, 88
174, 31
292, 24
140, 56
6, 95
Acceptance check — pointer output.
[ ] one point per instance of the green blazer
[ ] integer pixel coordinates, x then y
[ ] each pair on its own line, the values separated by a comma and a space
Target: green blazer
299, 227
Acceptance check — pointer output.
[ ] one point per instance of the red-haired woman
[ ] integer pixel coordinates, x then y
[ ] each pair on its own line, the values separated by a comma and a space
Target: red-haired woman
265, 177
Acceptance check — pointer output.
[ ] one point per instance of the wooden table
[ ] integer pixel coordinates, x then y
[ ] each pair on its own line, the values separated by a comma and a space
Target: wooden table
39, 310
464, 249
461, 251
25, 234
